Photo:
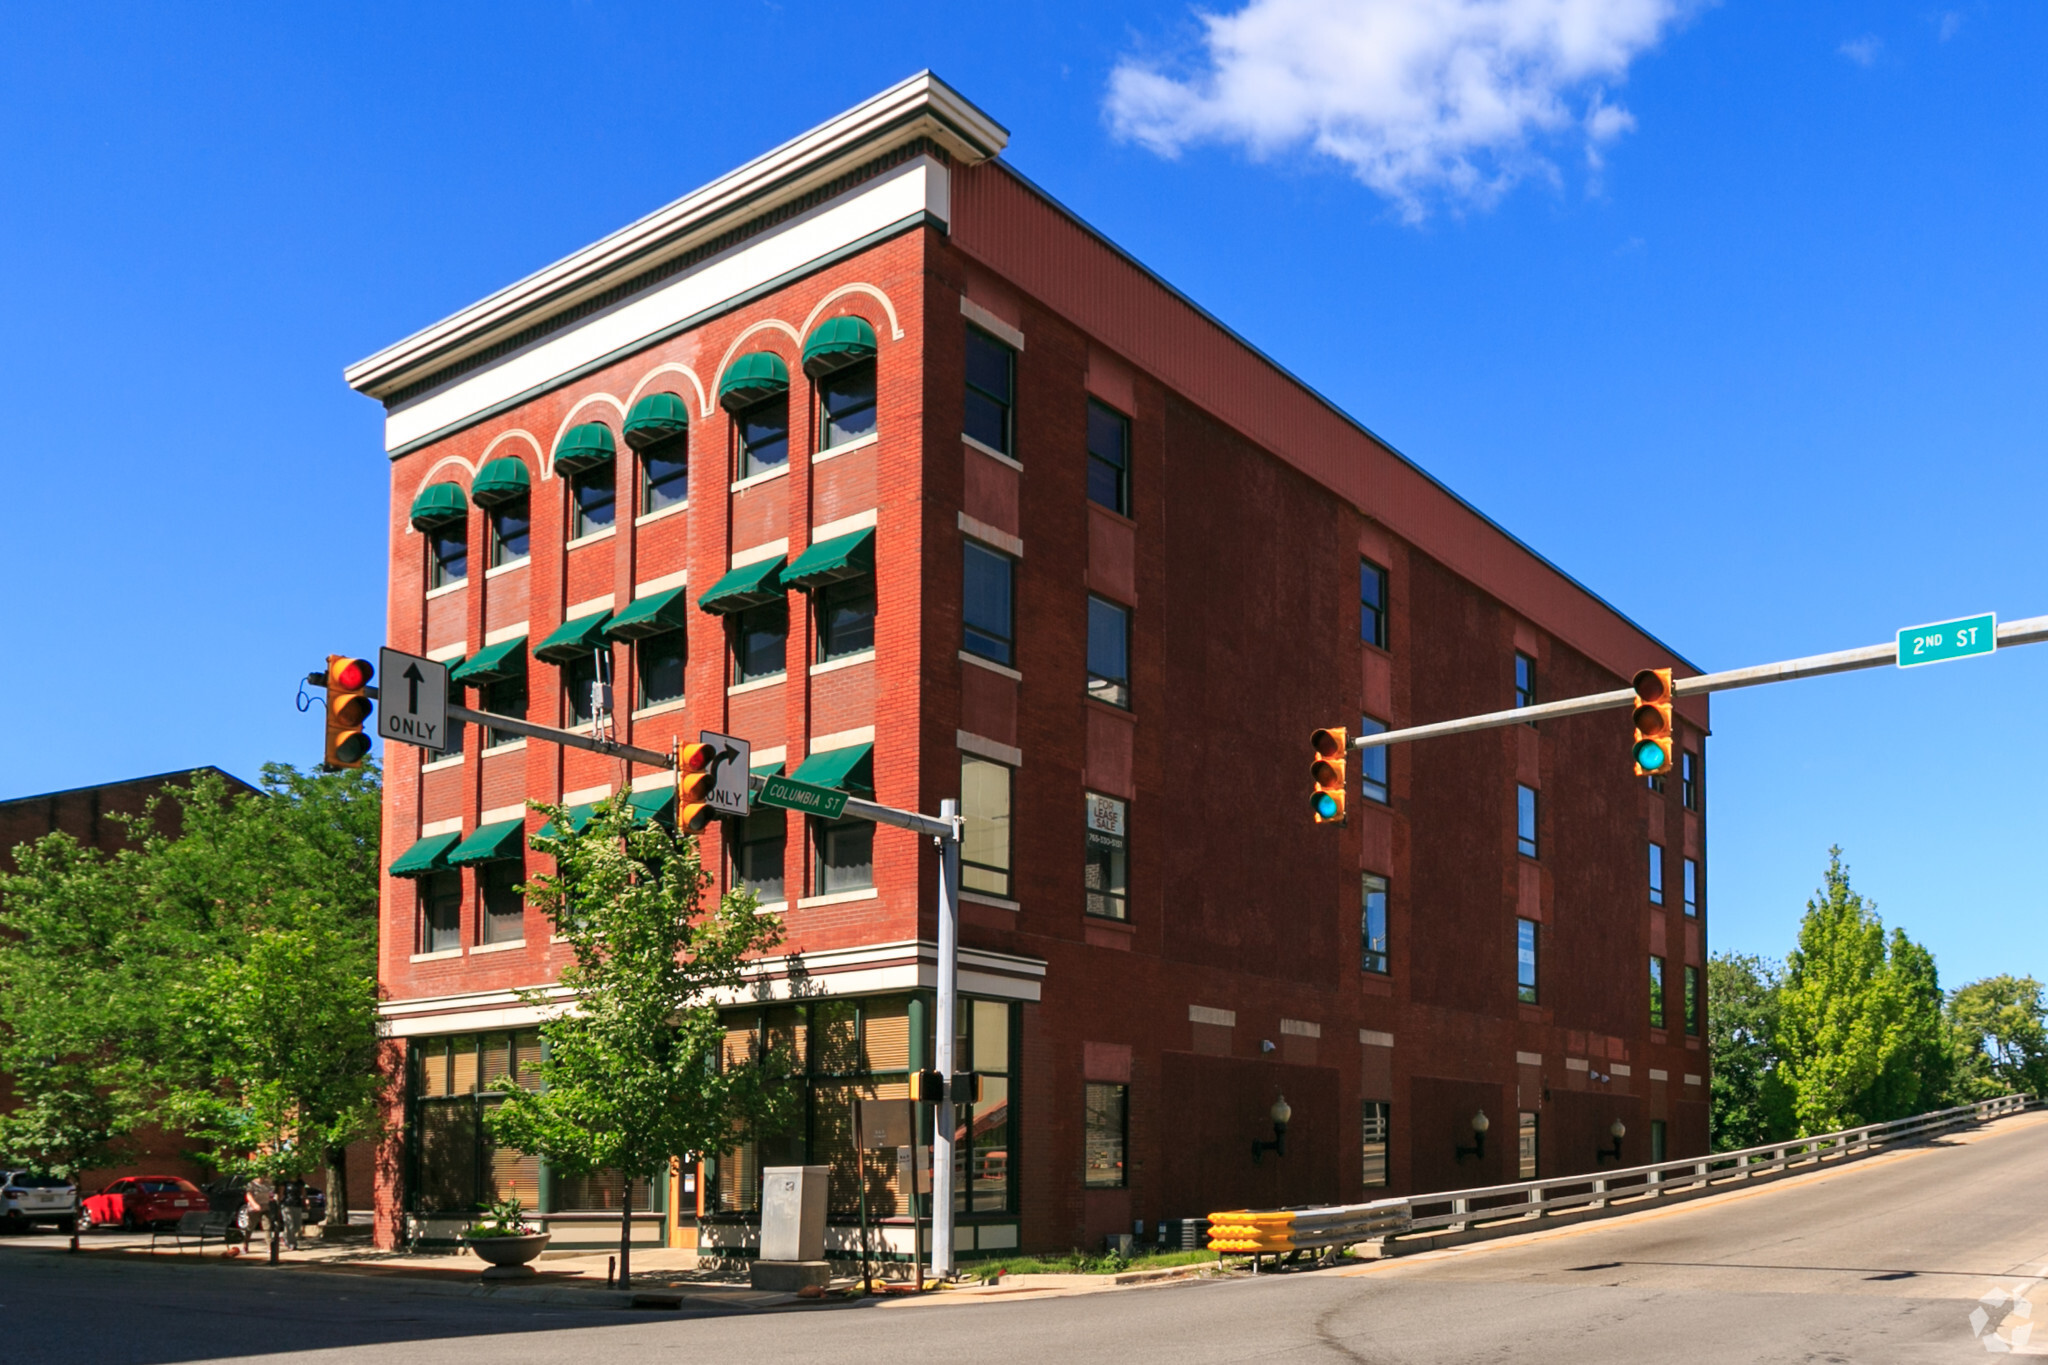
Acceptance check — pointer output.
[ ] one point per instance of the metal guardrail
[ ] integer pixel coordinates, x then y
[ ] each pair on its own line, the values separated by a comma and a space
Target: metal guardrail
1499, 1210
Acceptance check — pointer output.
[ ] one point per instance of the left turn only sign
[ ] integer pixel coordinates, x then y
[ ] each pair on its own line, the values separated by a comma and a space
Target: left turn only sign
412, 699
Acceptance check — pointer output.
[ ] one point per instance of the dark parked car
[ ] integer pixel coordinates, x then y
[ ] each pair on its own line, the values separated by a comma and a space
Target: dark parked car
229, 1195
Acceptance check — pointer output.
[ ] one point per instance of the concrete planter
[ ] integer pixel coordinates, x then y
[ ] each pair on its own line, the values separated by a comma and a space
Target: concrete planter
508, 1257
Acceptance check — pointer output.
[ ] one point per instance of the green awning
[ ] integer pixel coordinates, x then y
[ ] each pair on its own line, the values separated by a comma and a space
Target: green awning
828, 561
585, 446
491, 844
655, 418
492, 663
500, 480
437, 505
766, 769
850, 769
841, 341
755, 376
428, 856
747, 586
573, 640
658, 803
579, 816
655, 614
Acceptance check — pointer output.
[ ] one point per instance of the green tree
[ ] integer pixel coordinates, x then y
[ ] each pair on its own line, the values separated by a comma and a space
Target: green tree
1751, 1105
2001, 1035
635, 1072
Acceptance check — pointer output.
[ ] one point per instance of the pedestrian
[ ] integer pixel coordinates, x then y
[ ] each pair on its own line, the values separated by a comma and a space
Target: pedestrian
292, 1204
256, 1200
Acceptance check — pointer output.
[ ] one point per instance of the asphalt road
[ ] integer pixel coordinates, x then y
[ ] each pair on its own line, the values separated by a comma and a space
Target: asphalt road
1882, 1261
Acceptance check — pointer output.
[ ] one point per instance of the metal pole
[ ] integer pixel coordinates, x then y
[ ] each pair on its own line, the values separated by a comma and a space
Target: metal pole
2032, 631
945, 1027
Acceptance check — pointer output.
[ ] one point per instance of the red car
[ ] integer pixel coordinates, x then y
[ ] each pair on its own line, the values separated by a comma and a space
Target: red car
141, 1201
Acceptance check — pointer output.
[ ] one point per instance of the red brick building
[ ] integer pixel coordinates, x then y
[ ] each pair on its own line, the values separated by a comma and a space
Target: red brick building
874, 454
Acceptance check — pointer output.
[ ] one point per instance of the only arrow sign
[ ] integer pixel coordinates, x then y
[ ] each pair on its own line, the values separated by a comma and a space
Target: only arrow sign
413, 675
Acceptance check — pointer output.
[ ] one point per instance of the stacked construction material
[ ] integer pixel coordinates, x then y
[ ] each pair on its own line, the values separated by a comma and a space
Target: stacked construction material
1254, 1232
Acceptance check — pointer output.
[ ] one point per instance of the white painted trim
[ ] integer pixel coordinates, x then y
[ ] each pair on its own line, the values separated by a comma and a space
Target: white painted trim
994, 536
648, 518
983, 898
732, 349
1657, 1075
857, 287
1575, 1064
441, 956
989, 748
1202, 1014
838, 898
590, 608
1691, 1079
515, 631
780, 471
452, 825
508, 566
680, 578
501, 814
994, 454
659, 780
1373, 1037
668, 367
772, 907
842, 739
593, 538
583, 796
831, 530
446, 588
511, 747
761, 758
441, 654
569, 420
847, 447
1300, 1028
506, 947
772, 680
1528, 1059
990, 323
991, 665
755, 554
434, 765
1617, 1069
661, 708
833, 666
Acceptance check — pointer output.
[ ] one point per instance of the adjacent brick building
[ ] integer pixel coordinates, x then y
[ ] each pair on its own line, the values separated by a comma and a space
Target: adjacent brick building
874, 454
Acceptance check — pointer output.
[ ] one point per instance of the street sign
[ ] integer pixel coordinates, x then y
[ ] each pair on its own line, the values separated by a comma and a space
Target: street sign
1945, 640
412, 706
791, 794
730, 759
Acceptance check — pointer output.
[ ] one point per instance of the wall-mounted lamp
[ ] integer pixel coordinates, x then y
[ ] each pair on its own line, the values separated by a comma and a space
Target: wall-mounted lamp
1281, 1113
1480, 1123
1617, 1132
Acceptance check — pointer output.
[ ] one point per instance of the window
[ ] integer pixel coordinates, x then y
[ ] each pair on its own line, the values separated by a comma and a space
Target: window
991, 372
441, 912
846, 618
1525, 821
1525, 681
1692, 887
1657, 1140
579, 681
455, 729
981, 1158
1106, 1112
846, 405
1109, 652
764, 436
1654, 783
985, 838
760, 637
1656, 992
1525, 1132
1378, 1126
985, 603
1109, 458
448, 553
1372, 763
1372, 603
1656, 874
504, 907
757, 846
661, 660
665, 474
506, 697
846, 856
1525, 961
511, 529
593, 499
1692, 1001
1372, 925
1104, 876
1689, 779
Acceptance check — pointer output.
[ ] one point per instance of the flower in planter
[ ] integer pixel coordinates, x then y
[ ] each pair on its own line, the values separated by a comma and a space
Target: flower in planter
507, 1218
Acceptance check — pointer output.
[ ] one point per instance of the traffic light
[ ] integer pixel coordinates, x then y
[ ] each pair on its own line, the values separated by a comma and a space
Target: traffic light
347, 710
1326, 801
965, 1087
926, 1087
694, 777
1652, 748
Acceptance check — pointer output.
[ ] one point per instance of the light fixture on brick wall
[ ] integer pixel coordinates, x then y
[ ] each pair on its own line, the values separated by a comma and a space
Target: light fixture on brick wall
1281, 1113
1617, 1131
1480, 1123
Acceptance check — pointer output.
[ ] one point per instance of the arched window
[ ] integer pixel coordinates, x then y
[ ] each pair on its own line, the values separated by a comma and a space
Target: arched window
590, 461
840, 359
441, 514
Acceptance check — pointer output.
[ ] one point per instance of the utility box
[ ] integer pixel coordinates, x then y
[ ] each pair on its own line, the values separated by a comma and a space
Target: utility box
792, 1228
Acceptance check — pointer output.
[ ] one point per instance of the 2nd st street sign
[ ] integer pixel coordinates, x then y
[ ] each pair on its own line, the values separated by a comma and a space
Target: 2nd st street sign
412, 700
1945, 640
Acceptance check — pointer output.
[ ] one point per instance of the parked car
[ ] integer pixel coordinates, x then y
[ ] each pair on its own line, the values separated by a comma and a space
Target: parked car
229, 1195
142, 1201
27, 1198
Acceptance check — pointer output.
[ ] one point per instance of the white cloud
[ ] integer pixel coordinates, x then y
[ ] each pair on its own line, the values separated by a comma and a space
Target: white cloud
1862, 51
1420, 98
1951, 21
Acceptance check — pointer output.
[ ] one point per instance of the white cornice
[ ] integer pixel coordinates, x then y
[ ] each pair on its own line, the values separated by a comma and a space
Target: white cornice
922, 106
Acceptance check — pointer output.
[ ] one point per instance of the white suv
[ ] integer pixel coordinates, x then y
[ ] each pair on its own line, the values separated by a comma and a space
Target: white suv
26, 1198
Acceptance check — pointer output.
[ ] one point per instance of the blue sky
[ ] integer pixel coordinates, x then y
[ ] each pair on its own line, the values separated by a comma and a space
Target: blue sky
1785, 259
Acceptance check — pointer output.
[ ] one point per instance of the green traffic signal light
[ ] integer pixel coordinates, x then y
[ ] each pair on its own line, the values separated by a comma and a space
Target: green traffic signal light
1651, 756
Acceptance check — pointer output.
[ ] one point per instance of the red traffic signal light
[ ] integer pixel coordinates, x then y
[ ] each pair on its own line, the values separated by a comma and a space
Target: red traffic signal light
694, 776
1327, 774
1652, 746
347, 711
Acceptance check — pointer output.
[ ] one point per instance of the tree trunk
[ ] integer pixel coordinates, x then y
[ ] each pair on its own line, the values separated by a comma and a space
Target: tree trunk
337, 1187
625, 1228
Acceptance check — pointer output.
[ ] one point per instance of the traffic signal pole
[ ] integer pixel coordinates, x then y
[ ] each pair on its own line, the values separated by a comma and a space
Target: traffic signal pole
2032, 631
